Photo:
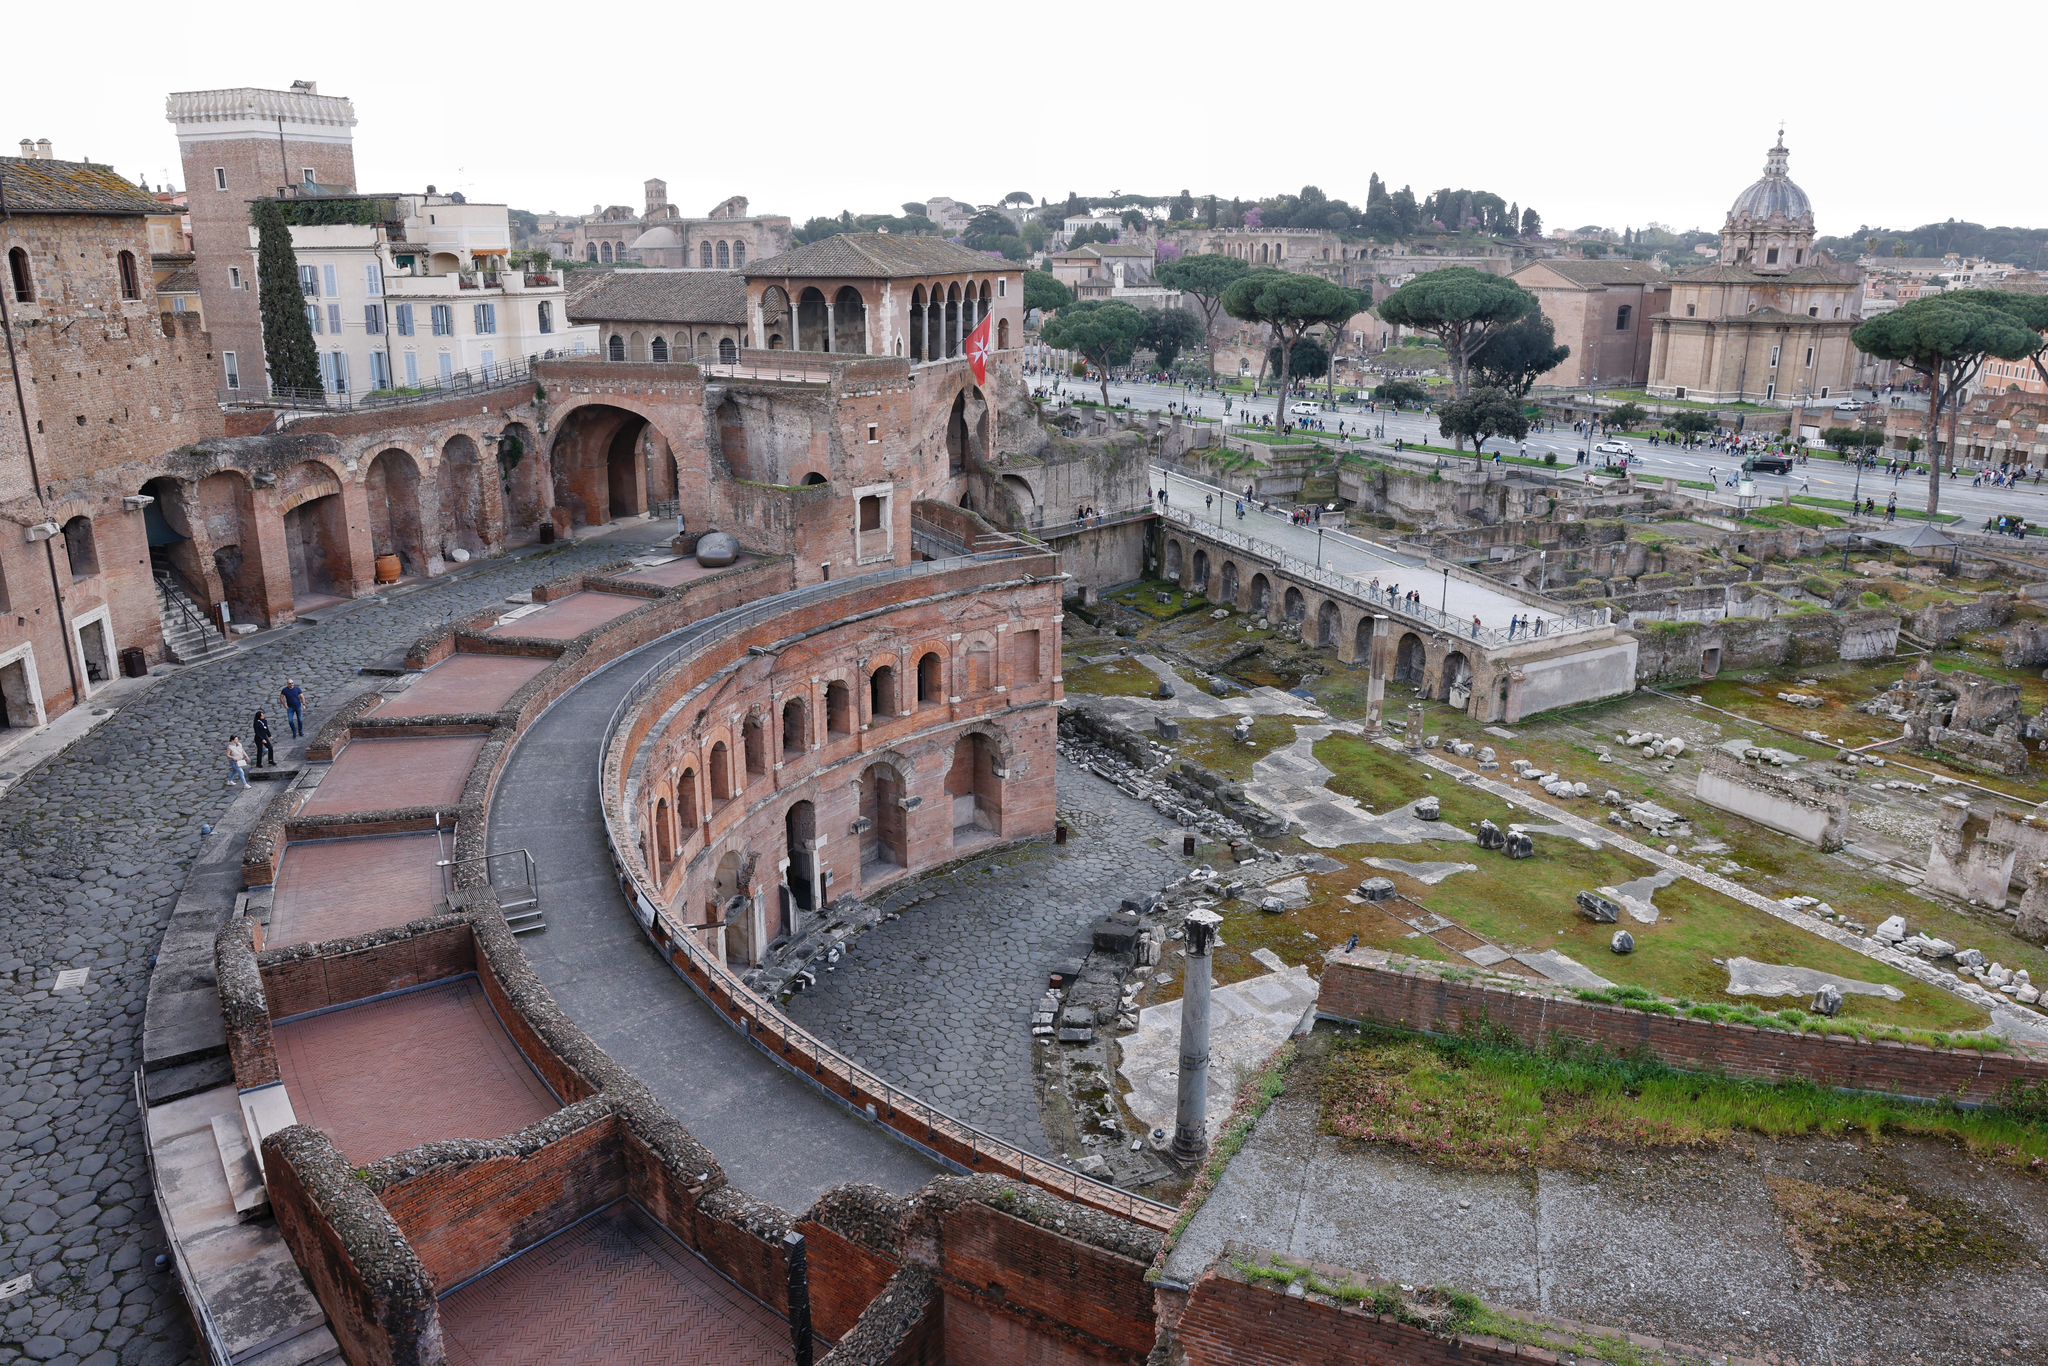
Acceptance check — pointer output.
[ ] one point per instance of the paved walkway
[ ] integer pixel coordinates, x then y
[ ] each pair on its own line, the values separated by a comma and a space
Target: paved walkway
776, 1136
939, 1000
94, 846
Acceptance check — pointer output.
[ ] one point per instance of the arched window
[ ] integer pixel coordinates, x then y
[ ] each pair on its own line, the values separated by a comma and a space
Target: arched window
724, 257
882, 693
794, 728
739, 255
1002, 334
615, 349
727, 352
754, 740
78, 545
131, 284
660, 348
1621, 317
590, 252
604, 251
721, 773
704, 255
18, 273
838, 708
547, 316
931, 679
686, 800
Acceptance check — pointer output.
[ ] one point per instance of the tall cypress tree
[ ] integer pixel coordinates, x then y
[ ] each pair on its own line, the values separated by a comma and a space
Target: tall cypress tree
287, 337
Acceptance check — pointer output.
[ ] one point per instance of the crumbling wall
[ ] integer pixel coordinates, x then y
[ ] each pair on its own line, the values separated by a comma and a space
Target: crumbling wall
1802, 805
1979, 853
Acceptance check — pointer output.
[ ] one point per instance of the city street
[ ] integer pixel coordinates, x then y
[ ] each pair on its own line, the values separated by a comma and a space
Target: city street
1820, 478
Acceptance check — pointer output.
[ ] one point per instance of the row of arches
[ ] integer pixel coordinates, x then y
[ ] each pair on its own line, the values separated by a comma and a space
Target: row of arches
837, 325
635, 345
942, 318
1412, 659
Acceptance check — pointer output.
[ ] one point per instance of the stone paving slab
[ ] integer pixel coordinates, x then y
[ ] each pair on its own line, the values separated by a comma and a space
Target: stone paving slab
1562, 969
1747, 977
1248, 1020
1429, 874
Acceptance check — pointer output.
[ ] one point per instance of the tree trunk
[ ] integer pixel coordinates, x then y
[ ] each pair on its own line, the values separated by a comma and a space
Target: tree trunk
1286, 362
1102, 372
1934, 396
1209, 334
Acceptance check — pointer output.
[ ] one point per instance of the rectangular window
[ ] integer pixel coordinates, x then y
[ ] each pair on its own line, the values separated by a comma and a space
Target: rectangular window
404, 321
1774, 358
412, 368
309, 282
234, 277
1809, 358
327, 279
444, 320
1692, 310
373, 319
1024, 665
486, 319
380, 370
547, 317
313, 318
220, 177
373, 279
490, 358
334, 319
233, 369
447, 366
306, 175
178, 304
874, 434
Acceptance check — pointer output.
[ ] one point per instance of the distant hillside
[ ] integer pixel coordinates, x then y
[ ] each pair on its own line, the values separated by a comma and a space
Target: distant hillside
2027, 247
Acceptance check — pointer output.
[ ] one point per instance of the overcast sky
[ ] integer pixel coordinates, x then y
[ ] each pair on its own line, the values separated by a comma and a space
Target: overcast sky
1595, 113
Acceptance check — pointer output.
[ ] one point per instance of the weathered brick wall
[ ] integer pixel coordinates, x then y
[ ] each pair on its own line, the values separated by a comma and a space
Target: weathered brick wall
1231, 1323
299, 979
1360, 987
996, 1268
845, 1278
471, 1209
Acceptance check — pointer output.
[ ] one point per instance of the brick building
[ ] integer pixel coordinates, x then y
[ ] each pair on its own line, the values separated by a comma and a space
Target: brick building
236, 146
726, 238
1602, 311
99, 384
660, 315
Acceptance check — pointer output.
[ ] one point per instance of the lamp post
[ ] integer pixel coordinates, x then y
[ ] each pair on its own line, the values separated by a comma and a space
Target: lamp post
1443, 604
1319, 546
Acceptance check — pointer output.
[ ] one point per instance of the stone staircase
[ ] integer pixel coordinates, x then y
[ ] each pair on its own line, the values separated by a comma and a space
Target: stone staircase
188, 636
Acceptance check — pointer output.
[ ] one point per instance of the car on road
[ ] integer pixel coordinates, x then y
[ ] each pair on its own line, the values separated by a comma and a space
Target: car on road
1304, 409
1851, 405
1615, 448
1767, 464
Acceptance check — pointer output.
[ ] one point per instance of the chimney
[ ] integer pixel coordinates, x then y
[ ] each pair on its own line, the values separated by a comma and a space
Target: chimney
28, 149
42, 149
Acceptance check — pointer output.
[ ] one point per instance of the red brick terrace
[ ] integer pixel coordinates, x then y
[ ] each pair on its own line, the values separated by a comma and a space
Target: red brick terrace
392, 1074
462, 684
330, 889
614, 1290
570, 616
676, 572
379, 775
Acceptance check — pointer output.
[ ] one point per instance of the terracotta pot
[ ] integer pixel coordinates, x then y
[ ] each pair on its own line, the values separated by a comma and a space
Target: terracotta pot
388, 569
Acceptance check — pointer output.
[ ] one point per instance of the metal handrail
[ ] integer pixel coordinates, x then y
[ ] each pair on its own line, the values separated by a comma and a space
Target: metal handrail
527, 866
496, 376
171, 596
756, 1013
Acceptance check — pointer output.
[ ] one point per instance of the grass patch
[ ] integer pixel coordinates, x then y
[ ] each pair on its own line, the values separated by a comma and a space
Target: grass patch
1145, 598
1212, 745
1795, 515
1486, 1106
1788, 1020
1116, 678
1886, 1232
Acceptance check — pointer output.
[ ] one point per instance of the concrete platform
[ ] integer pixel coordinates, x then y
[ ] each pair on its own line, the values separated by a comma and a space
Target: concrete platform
615, 1288
1247, 1021
570, 616
676, 572
379, 775
330, 889
462, 684
404, 1070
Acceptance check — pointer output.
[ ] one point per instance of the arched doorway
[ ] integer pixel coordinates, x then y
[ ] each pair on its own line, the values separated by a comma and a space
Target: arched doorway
1328, 620
1173, 564
1410, 660
849, 321
1457, 679
1199, 572
225, 506
1361, 644
800, 834
167, 522
1229, 585
1295, 605
523, 482
733, 908
975, 785
392, 489
462, 499
316, 532
884, 847
664, 838
956, 435
1262, 595
601, 458
813, 323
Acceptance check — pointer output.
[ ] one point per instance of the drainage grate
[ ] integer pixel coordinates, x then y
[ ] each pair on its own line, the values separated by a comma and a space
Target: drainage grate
18, 1286
71, 977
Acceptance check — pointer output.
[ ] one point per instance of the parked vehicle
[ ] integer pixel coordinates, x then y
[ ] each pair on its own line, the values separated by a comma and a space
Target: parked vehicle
1767, 464
1304, 409
1851, 405
1615, 448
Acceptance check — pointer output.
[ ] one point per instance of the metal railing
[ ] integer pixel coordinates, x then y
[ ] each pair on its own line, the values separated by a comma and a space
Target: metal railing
526, 882
754, 1015
173, 598
499, 376
1561, 624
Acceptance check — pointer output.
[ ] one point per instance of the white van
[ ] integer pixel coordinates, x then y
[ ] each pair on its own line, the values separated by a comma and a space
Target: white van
1304, 409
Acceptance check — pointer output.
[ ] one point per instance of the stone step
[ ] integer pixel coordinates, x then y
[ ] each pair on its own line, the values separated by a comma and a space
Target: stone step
178, 1080
314, 1347
245, 1183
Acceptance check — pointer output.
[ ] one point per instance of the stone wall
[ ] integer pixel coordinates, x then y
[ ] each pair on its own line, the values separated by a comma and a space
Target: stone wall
1803, 805
1372, 986
1680, 651
1983, 852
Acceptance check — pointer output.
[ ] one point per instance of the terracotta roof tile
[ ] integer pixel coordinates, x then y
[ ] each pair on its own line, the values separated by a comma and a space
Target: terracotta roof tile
40, 186
661, 296
877, 256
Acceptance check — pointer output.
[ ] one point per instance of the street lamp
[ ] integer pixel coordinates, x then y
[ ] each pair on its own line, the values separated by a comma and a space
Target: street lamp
1319, 546
1443, 604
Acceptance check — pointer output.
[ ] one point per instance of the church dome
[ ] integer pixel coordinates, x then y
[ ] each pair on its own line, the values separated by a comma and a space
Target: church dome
1774, 196
656, 238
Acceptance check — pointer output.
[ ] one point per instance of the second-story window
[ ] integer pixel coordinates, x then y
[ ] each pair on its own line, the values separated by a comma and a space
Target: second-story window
373, 278
327, 279
444, 320
313, 318
403, 320
309, 281
486, 319
373, 319
131, 283
547, 316
24, 283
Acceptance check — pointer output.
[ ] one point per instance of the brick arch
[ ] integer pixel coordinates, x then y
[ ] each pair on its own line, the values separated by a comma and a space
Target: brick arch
1329, 624
1230, 582
1174, 562
598, 470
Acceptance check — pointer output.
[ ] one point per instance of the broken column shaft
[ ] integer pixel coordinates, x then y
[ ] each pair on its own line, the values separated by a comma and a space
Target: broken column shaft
1190, 1129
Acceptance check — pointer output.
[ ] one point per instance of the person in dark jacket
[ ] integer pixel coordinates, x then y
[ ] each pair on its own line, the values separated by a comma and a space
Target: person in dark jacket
266, 752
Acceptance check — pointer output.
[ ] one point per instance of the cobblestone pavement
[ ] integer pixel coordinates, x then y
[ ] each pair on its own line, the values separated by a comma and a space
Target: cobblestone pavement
939, 1000
93, 849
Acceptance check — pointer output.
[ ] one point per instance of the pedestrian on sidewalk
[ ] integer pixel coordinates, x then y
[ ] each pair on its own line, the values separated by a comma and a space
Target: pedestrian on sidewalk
266, 752
294, 705
238, 762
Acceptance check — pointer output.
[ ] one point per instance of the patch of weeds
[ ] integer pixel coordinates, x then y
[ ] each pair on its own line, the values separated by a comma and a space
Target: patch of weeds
1883, 1231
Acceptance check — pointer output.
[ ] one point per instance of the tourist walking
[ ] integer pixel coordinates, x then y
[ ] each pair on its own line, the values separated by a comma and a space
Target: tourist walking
238, 762
294, 705
266, 752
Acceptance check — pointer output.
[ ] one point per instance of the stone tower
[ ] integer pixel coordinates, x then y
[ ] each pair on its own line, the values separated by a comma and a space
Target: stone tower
657, 199
238, 146
1770, 224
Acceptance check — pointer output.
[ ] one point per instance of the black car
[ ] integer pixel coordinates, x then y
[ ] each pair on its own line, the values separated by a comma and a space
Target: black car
1767, 464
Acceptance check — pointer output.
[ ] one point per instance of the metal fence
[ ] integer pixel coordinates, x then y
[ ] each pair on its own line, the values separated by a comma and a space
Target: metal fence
498, 376
758, 1019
